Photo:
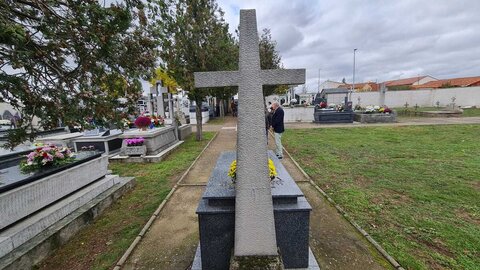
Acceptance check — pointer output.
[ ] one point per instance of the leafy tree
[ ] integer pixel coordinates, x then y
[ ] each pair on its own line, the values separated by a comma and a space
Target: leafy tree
161, 75
194, 37
67, 60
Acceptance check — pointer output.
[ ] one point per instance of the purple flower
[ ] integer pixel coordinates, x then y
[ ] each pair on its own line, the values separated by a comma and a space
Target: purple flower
135, 141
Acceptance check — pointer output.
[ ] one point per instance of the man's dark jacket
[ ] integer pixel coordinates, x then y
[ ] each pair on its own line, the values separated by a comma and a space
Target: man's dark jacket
277, 120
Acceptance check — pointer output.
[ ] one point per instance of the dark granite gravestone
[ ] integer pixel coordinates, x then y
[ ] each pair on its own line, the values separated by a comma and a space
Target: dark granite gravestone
107, 141
332, 116
216, 215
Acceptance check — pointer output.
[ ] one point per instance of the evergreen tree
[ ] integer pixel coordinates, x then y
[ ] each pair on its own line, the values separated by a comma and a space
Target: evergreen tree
62, 61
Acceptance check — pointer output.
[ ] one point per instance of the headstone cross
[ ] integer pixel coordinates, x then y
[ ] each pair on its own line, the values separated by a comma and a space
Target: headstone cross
254, 221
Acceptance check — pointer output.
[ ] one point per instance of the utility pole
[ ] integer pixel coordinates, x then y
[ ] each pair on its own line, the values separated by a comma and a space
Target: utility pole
353, 81
318, 90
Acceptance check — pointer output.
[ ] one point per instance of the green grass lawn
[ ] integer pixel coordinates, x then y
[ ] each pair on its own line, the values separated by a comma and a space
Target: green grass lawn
416, 190
100, 245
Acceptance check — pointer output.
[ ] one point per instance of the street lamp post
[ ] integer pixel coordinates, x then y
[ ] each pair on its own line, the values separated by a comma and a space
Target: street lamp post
353, 81
318, 90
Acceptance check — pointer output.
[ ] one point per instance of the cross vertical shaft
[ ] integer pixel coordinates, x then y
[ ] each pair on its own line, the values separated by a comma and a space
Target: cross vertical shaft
254, 222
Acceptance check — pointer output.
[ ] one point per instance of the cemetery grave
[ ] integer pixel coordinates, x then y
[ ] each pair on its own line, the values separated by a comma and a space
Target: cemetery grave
375, 114
328, 112
155, 140
43, 195
100, 245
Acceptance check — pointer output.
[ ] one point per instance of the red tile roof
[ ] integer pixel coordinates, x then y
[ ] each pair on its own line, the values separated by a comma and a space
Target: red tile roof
374, 86
460, 82
407, 81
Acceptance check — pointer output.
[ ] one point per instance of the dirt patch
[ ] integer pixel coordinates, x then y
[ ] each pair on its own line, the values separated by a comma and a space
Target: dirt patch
476, 185
388, 196
436, 245
467, 216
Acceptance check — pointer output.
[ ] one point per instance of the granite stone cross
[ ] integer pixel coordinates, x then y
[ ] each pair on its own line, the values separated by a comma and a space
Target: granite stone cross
254, 220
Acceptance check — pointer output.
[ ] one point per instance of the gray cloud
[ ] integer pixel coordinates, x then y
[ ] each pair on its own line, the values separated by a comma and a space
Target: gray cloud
395, 39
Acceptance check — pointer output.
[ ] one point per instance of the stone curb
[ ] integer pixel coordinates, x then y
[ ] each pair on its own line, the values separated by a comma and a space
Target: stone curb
372, 241
149, 223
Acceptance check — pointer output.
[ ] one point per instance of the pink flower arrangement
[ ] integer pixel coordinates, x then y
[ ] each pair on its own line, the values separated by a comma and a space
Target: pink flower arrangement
135, 141
143, 121
50, 155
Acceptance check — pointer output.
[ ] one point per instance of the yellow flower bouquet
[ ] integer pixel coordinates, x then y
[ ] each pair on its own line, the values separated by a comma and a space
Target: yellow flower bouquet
272, 171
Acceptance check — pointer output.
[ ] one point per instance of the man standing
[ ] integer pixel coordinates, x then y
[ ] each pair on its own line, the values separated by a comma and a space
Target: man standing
278, 128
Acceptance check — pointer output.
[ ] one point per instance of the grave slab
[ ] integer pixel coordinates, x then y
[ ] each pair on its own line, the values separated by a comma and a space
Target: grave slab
216, 213
65, 140
28, 228
107, 143
156, 140
30, 193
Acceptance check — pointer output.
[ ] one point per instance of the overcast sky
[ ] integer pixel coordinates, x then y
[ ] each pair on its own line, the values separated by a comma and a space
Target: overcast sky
395, 39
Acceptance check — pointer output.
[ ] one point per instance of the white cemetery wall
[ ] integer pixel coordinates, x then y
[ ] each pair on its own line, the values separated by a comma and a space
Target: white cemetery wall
335, 98
298, 114
464, 96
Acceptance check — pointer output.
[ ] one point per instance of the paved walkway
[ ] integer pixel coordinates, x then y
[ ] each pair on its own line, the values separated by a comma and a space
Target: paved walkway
172, 239
402, 121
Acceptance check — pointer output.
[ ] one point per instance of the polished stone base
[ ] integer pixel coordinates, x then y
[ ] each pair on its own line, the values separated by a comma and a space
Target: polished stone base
332, 117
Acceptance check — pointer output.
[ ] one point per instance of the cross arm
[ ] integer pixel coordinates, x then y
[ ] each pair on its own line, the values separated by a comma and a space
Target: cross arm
216, 79
283, 76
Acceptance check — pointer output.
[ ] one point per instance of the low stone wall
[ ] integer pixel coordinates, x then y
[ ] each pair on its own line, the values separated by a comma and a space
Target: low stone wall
376, 117
298, 114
